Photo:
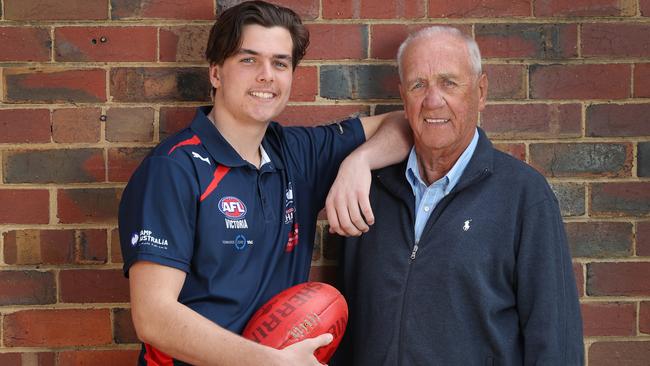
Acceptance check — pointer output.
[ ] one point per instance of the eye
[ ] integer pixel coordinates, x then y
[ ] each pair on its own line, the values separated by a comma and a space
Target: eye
281, 64
417, 85
247, 60
448, 83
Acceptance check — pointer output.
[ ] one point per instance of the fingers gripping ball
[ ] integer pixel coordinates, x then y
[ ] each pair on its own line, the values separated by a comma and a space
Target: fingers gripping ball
303, 311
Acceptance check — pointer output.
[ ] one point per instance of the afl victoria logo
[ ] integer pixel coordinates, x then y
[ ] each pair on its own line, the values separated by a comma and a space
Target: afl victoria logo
232, 207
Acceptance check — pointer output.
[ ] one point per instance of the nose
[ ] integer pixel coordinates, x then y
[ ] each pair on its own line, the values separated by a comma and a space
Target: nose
433, 99
265, 74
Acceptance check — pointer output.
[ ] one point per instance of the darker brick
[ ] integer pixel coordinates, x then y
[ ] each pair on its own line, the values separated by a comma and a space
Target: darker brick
35, 44
174, 119
385, 108
24, 206
55, 9
608, 319
506, 81
54, 86
532, 121
54, 166
643, 238
644, 317
27, 288
615, 40
24, 125
582, 159
359, 82
129, 124
306, 9
308, 115
620, 199
304, 85
599, 239
618, 279
580, 81
478, 8
122, 162
547, 8
605, 120
386, 38
183, 43
162, 9
105, 44
642, 80
517, 151
644, 7
116, 250
76, 125
331, 244
628, 353
542, 41
57, 328
160, 84
643, 157
325, 274
89, 286
571, 197
580, 279
123, 330
351, 41
373, 9
83, 246
88, 205
27, 358
102, 357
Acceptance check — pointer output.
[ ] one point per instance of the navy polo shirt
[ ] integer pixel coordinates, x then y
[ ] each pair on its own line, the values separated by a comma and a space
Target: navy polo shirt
241, 234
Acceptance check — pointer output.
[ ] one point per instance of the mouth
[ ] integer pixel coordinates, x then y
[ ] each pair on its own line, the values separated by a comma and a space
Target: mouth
262, 95
436, 121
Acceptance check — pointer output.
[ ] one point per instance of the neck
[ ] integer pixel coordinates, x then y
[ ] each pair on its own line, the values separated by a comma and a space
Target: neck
245, 138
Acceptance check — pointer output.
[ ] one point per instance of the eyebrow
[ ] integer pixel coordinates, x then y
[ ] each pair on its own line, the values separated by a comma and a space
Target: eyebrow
280, 56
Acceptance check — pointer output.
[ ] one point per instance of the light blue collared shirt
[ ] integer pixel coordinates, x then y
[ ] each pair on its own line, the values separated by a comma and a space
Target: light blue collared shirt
426, 198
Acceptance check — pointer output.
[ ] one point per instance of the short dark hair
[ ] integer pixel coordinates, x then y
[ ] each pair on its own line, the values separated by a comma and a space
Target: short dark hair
226, 33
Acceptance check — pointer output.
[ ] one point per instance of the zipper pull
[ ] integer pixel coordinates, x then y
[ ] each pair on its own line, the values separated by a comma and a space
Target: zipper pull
415, 250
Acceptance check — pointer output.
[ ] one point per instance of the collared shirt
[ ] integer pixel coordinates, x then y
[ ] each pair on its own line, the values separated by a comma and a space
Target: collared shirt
427, 198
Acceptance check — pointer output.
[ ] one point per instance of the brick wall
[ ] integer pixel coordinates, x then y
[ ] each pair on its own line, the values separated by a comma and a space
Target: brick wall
88, 86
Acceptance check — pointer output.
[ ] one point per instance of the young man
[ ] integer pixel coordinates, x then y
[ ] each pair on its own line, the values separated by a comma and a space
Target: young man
221, 216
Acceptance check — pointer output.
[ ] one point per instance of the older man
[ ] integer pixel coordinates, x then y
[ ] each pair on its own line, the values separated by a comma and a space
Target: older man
467, 263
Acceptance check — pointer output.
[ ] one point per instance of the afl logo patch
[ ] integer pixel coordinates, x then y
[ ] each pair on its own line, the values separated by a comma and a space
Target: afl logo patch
232, 207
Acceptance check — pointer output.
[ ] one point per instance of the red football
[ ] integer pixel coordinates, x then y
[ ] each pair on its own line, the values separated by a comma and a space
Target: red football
303, 311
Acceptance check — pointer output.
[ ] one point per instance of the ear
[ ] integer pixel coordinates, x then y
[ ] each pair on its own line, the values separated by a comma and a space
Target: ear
215, 71
482, 90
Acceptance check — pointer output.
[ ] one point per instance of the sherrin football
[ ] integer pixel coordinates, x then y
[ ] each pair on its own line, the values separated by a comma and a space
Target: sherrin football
303, 311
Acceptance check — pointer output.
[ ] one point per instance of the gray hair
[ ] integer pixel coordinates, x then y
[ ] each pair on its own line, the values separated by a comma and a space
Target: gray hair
472, 47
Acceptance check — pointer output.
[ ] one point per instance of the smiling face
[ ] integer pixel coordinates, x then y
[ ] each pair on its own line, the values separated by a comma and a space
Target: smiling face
442, 95
253, 85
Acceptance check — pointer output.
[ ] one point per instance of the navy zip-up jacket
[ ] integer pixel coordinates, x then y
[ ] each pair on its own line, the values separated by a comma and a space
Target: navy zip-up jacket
489, 283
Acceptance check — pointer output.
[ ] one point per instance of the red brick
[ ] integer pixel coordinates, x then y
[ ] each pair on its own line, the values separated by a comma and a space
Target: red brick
116, 249
479, 8
76, 125
306, 9
27, 358
27, 288
608, 319
88, 286
162, 9
644, 317
386, 38
643, 238
620, 199
627, 353
325, 274
129, 124
305, 84
174, 119
24, 206
532, 121
55, 9
618, 120
618, 279
337, 41
55, 86
98, 358
615, 40
599, 239
105, 44
123, 330
516, 150
544, 41
644, 6
316, 115
372, 9
582, 159
547, 8
642, 80
55, 246
122, 162
57, 328
580, 279
55, 166
160, 84
183, 43
35, 44
24, 125
88, 205
580, 81
506, 81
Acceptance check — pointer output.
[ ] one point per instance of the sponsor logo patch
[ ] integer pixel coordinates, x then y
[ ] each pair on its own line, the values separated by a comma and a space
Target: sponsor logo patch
147, 237
240, 242
232, 207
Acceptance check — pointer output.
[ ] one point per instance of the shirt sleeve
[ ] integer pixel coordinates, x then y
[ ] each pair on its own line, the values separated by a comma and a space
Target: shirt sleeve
158, 214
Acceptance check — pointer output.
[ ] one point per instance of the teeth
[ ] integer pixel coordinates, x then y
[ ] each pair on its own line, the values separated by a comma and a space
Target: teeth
435, 120
262, 95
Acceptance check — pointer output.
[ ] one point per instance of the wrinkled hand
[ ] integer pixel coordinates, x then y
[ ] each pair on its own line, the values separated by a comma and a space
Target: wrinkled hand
302, 353
348, 200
